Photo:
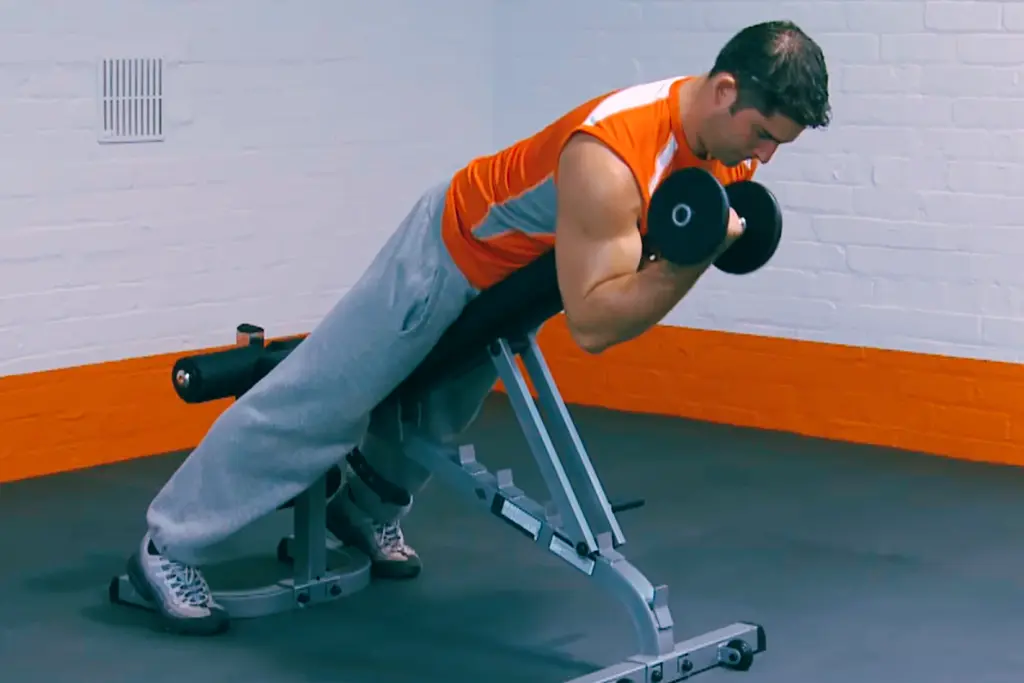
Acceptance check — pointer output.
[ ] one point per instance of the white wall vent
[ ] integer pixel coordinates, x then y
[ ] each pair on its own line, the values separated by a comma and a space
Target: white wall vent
131, 98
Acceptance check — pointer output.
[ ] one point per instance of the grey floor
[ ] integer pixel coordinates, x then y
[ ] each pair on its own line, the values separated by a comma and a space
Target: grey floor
863, 564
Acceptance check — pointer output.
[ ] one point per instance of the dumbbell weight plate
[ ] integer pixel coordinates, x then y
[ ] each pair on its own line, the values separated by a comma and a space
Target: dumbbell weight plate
756, 204
688, 216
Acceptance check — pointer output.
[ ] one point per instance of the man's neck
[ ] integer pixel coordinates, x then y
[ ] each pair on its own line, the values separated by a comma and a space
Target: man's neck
691, 115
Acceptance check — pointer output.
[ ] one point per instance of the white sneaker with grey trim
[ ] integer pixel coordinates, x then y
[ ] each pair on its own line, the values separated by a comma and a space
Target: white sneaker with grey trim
390, 556
179, 592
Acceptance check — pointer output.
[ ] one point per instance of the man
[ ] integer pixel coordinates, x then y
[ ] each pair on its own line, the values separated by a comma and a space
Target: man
584, 183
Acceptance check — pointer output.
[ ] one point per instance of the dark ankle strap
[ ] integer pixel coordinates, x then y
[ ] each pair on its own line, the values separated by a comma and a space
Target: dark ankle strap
389, 493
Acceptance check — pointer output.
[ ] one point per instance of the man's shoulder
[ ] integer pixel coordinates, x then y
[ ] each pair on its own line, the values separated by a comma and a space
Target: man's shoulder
630, 98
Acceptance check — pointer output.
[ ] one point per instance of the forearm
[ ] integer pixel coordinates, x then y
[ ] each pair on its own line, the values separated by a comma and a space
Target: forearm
623, 308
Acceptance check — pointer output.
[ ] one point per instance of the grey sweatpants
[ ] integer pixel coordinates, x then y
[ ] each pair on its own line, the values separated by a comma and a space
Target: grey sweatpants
328, 396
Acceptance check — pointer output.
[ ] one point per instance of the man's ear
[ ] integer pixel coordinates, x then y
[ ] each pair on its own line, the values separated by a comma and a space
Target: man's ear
725, 89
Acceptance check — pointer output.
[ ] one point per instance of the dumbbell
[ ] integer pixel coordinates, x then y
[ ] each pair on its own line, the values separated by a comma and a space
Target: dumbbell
688, 219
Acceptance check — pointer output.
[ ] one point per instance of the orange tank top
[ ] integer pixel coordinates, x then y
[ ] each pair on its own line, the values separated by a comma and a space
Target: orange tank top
499, 211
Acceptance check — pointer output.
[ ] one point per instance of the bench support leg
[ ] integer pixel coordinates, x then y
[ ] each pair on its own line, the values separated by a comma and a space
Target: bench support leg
582, 529
310, 583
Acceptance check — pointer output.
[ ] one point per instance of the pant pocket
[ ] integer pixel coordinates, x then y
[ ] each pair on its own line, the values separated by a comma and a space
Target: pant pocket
424, 302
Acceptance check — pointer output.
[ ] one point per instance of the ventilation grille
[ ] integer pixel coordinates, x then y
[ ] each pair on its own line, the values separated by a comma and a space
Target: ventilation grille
131, 100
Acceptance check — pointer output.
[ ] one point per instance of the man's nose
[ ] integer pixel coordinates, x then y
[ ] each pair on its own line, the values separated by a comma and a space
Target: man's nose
765, 151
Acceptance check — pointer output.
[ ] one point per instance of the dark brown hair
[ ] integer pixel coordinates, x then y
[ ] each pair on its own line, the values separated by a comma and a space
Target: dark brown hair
778, 69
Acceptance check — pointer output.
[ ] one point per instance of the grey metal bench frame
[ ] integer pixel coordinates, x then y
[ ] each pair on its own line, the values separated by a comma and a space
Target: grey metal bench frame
579, 525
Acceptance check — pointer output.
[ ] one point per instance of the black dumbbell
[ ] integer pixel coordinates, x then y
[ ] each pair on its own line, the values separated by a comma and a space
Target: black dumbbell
756, 205
688, 219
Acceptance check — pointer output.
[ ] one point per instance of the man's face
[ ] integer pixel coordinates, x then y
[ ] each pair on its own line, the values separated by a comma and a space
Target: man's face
735, 137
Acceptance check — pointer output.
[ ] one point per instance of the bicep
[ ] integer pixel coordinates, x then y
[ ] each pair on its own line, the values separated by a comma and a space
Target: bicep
599, 203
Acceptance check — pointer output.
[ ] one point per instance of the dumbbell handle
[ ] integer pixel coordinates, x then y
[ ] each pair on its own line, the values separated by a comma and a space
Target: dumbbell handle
728, 241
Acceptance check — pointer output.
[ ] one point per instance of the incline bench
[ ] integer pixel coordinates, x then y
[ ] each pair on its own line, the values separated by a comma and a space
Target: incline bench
581, 528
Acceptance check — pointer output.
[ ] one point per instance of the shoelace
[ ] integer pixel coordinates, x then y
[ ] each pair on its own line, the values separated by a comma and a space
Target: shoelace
389, 536
189, 585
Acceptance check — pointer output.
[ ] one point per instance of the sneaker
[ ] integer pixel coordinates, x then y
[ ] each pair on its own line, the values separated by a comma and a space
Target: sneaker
179, 592
384, 544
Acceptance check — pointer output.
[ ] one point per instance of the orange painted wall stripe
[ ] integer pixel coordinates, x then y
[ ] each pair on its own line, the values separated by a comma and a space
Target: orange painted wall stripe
954, 407
85, 416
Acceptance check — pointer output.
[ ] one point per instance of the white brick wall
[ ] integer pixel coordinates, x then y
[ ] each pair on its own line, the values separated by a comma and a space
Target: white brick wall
296, 139
905, 220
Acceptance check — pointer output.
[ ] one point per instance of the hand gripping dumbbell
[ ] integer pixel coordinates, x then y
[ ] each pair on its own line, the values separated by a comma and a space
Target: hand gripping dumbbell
688, 219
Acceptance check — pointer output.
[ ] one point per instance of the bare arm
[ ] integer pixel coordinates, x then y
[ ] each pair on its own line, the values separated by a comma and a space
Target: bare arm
607, 300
